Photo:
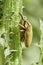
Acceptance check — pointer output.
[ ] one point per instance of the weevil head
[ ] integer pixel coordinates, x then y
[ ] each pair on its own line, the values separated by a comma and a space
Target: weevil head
24, 18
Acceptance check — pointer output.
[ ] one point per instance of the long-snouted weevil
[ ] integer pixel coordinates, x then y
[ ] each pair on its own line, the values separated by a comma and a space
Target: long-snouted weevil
25, 31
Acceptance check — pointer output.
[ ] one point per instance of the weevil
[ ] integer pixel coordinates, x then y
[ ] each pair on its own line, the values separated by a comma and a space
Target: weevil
25, 31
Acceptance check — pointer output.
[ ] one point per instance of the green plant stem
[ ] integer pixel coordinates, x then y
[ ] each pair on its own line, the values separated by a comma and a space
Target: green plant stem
2, 58
12, 33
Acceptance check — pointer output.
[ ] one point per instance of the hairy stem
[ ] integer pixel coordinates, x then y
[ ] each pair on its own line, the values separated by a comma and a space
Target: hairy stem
11, 20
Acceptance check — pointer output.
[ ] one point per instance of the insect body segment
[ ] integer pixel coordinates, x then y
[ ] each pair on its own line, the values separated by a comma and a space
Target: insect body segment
26, 31
28, 35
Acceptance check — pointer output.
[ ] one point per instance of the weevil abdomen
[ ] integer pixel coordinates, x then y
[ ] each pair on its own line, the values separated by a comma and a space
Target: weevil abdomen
28, 34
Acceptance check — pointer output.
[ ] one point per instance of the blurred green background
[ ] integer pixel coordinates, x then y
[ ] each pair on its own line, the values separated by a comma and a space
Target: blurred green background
33, 9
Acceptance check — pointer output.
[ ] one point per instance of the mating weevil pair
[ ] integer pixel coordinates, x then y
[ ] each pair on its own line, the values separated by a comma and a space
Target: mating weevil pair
25, 31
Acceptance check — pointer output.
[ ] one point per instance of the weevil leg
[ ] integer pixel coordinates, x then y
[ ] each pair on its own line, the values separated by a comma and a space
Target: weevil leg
22, 26
21, 30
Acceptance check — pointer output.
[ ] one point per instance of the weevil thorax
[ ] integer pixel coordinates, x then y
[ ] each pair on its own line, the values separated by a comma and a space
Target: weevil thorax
28, 26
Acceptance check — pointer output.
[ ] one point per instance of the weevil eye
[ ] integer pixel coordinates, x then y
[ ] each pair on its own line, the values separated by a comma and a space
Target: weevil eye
24, 18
